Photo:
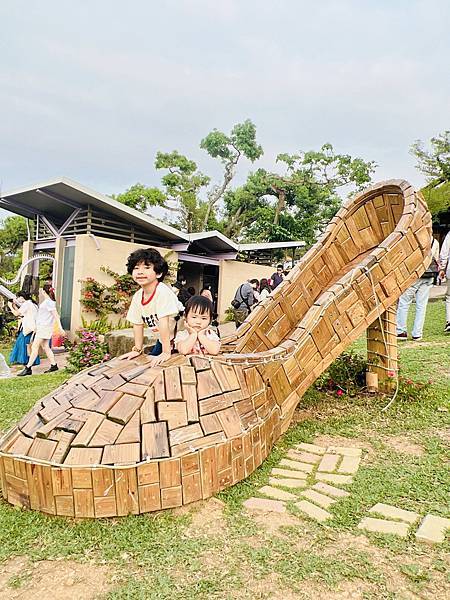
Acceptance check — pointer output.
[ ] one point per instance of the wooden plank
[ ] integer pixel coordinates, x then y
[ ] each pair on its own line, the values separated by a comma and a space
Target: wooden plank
132, 431
226, 376
87, 432
190, 464
229, 419
125, 408
39, 479
160, 392
210, 423
149, 498
135, 389
148, 473
84, 456
63, 447
170, 473
112, 384
85, 400
84, 503
127, 496
31, 426
62, 482
65, 506
45, 430
185, 434
106, 402
200, 363
172, 383
207, 440
207, 385
71, 425
213, 404
208, 472
148, 377
103, 482
148, 414
192, 488
42, 449
188, 375
190, 397
155, 442
254, 381
121, 454
175, 413
105, 507
20, 445
107, 433
171, 497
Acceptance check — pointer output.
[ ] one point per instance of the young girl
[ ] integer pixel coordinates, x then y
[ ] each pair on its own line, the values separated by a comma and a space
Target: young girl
197, 337
45, 319
154, 305
24, 308
264, 289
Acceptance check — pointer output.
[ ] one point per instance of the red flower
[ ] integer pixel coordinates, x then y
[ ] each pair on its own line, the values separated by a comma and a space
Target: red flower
339, 392
391, 373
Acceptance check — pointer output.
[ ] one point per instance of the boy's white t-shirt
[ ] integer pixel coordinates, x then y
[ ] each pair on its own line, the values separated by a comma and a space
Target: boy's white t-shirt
163, 304
46, 313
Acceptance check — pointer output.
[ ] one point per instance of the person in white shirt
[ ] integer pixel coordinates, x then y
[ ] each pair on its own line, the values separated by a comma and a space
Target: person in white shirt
154, 305
46, 318
25, 309
444, 273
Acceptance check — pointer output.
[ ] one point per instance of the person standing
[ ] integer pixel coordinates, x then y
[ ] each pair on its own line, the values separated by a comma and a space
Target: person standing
420, 291
444, 272
26, 310
243, 300
277, 277
46, 317
264, 289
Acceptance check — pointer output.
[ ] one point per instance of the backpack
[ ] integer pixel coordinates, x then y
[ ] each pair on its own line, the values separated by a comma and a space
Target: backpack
237, 303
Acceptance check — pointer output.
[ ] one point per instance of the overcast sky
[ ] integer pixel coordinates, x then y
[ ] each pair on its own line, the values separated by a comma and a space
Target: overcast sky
92, 89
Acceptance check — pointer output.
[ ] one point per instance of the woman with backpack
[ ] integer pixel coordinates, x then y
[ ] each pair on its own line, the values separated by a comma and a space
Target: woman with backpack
243, 300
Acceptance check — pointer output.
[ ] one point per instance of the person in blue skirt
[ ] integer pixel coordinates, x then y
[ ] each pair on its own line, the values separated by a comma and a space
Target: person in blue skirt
25, 309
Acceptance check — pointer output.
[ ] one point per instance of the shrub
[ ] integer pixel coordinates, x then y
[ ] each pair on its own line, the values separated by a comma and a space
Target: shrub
90, 349
347, 374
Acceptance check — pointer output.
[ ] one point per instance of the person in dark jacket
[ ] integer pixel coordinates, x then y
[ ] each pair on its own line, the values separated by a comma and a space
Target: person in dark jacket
243, 300
277, 277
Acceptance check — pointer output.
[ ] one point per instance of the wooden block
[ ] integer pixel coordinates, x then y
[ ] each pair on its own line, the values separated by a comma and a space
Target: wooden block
20, 445
207, 440
88, 430
171, 497
226, 376
188, 376
148, 414
63, 447
223, 456
79, 414
125, 408
160, 391
173, 383
84, 503
229, 419
107, 433
121, 454
65, 506
134, 389
103, 482
155, 443
106, 402
149, 498
190, 464
85, 400
105, 507
30, 427
210, 423
185, 434
82, 478
244, 407
254, 380
175, 413
113, 383
235, 396
127, 497
42, 449
170, 473
208, 471
192, 489
45, 430
131, 433
190, 397
207, 385
40, 488
213, 404
84, 456
200, 363
71, 425
148, 473
62, 482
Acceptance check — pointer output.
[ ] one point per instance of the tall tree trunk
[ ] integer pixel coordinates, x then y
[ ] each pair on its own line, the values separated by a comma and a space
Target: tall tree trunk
281, 205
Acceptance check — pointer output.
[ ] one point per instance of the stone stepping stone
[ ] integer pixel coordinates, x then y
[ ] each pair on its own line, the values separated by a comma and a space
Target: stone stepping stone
277, 494
289, 474
313, 511
298, 466
344, 451
432, 529
311, 448
383, 526
289, 483
329, 463
332, 478
306, 457
330, 490
392, 512
349, 464
265, 505
318, 498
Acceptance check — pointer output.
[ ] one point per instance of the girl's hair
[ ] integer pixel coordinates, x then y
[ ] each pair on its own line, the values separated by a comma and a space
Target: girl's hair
199, 303
47, 287
26, 296
149, 256
264, 285
191, 290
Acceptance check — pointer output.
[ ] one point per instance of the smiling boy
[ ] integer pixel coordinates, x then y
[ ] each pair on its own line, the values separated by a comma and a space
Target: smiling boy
154, 305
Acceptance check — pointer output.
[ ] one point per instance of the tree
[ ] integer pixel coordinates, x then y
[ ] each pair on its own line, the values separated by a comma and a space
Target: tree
299, 202
140, 197
13, 233
229, 149
434, 164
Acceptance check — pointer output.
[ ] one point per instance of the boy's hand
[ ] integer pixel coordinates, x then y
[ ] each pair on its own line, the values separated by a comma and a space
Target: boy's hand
156, 360
130, 355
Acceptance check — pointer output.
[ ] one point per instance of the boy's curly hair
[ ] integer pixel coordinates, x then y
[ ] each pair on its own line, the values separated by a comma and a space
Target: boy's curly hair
149, 256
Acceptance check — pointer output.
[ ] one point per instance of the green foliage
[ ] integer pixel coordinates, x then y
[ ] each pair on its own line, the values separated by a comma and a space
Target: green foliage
437, 198
434, 163
141, 197
241, 142
89, 350
102, 299
347, 374
13, 233
102, 325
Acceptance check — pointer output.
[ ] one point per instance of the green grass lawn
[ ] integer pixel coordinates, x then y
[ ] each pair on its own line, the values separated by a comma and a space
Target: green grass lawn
207, 551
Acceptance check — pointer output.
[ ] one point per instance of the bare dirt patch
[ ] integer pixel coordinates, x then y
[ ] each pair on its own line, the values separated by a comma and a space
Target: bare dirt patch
271, 522
404, 445
58, 580
208, 519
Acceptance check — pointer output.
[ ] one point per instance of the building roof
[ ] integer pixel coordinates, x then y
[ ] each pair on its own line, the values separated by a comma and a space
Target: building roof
270, 245
213, 241
59, 197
